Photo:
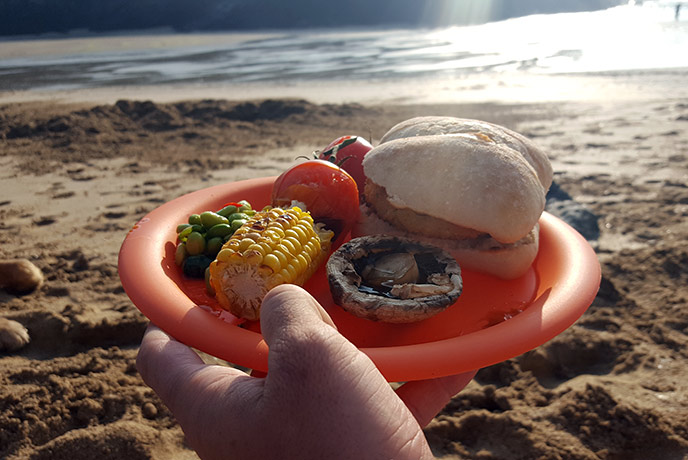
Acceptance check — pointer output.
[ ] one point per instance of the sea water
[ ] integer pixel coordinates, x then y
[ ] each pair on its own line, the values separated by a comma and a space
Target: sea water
637, 36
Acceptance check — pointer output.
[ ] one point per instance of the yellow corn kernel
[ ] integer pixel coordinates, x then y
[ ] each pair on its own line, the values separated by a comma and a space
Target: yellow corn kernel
260, 248
251, 256
275, 246
293, 272
286, 275
244, 244
273, 262
295, 244
224, 254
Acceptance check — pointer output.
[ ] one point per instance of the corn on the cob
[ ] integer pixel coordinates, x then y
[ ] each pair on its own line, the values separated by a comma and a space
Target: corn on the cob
275, 246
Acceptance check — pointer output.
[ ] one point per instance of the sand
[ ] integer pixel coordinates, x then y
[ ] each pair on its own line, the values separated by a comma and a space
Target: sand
76, 176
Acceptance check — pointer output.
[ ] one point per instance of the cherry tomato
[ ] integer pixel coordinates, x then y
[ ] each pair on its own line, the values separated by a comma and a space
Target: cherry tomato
348, 152
329, 193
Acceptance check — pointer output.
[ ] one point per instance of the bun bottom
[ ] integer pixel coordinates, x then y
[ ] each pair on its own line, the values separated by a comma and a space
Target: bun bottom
486, 255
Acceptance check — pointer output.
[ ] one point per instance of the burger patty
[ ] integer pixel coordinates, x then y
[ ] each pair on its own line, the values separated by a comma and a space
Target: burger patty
412, 221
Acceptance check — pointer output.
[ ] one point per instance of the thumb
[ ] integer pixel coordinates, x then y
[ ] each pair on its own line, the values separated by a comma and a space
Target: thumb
304, 344
288, 309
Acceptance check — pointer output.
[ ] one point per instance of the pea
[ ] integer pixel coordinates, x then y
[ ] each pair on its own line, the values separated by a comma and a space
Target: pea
237, 223
219, 230
195, 219
195, 244
181, 227
185, 233
208, 287
237, 215
213, 246
180, 254
227, 210
209, 219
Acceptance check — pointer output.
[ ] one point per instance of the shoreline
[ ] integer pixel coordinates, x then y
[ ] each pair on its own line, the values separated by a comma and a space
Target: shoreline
508, 88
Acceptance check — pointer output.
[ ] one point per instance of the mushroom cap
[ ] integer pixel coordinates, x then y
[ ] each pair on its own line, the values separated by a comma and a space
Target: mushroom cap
344, 277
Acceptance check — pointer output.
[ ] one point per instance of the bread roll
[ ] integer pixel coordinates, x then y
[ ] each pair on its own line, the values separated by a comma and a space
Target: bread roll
465, 180
435, 125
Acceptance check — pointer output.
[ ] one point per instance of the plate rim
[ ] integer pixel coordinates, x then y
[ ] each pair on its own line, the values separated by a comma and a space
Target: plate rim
552, 314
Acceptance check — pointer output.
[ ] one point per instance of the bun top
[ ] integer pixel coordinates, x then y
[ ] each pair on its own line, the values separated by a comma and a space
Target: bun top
465, 179
429, 126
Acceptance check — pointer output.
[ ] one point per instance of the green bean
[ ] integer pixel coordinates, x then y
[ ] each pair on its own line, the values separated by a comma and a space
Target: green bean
180, 254
195, 219
195, 243
219, 230
209, 219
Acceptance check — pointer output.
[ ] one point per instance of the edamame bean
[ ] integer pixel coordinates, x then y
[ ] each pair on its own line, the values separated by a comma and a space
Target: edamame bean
237, 223
219, 230
210, 219
208, 287
181, 227
237, 215
180, 254
195, 219
185, 233
213, 246
227, 210
195, 243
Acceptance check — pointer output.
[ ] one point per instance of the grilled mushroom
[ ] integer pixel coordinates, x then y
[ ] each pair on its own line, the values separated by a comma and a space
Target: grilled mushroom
393, 279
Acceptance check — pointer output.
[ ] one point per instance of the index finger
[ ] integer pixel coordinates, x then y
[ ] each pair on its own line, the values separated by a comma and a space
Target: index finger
426, 398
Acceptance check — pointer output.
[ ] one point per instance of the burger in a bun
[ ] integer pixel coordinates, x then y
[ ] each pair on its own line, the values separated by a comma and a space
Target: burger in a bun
472, 188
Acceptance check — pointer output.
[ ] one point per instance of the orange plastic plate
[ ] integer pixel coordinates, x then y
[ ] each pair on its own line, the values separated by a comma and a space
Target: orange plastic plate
492, 321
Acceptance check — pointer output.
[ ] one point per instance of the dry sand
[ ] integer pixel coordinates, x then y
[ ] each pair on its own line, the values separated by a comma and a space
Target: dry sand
76, 177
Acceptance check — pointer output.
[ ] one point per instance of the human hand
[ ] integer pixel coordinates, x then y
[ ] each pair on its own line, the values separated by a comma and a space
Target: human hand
322, 397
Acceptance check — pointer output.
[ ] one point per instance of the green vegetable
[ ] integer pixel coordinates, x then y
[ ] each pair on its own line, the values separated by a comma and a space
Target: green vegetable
195, 243
180, 254
227, 210
208, 286
195, 219
221, 230
202, 237
213, 246
238, 223
195, 266
209, 219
